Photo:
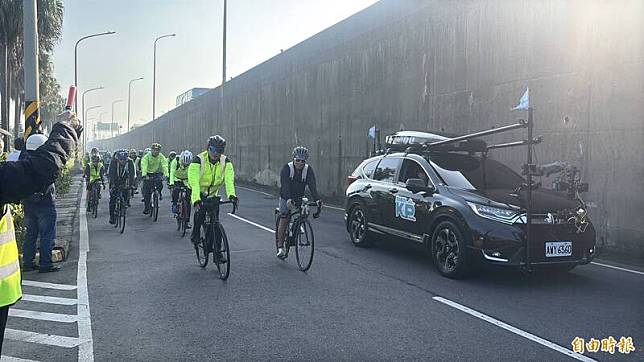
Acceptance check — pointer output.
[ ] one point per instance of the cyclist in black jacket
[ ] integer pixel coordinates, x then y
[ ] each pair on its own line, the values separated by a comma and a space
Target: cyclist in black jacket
294, 178
121, 177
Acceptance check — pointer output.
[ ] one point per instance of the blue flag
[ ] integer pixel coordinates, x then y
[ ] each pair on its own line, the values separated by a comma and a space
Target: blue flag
524, 102
372, 133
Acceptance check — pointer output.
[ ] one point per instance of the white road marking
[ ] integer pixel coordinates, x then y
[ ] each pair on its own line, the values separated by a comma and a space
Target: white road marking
618, 268
49, 300
256, 191
86, 347
514, 330
267, 194
40, 338
31, 283
252, 223
4, 358
43, 316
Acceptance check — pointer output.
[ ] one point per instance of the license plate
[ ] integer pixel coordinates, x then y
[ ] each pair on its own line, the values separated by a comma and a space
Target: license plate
558, 248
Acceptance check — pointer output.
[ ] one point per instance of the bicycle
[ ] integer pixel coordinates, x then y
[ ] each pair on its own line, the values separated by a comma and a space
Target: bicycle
155, 196
120, 209
299, 233
94, 193
182, 216
207, 241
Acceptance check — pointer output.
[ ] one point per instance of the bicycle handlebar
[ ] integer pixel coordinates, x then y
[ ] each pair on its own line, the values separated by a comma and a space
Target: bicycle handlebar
212, 200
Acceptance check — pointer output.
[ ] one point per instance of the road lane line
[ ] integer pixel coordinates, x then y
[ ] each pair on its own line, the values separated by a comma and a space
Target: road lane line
49, 300
252, 223
618, 268
256, 191
5, 358
40, 338
43, 316
86, 347
514, 330
31, 283
267, 194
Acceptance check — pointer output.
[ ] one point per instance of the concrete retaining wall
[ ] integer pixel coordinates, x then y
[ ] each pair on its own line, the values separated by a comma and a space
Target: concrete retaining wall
453, 65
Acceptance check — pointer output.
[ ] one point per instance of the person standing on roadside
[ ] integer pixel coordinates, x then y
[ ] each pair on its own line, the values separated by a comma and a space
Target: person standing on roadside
18, 180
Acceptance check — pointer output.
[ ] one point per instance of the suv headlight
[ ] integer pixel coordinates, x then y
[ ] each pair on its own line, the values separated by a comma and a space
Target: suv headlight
507, 216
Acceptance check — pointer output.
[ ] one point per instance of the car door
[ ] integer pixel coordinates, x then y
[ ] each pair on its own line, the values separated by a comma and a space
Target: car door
383, 191
412, 209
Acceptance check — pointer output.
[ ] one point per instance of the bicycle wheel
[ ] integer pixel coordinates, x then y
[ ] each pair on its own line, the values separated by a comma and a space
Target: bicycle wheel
121, 217
222, 268
201, 248
184, 218
304, 245
155, 205
178, 215
117, 211
95, 204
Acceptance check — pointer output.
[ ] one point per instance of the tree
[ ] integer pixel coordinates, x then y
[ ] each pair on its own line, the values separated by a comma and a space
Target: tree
50, 23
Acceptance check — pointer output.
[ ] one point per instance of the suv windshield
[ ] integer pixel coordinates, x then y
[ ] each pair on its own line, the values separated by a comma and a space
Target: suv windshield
472, 173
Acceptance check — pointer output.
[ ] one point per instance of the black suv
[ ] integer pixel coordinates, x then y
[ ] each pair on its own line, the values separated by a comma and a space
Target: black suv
464, 207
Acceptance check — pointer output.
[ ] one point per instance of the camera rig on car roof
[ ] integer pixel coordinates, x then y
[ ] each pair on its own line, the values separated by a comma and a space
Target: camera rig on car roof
567, 180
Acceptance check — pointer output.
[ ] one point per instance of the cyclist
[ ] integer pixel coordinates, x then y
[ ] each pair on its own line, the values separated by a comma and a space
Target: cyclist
179, 178
171, 157
94, 172
207, 173
154, 165
121, 177
294, 178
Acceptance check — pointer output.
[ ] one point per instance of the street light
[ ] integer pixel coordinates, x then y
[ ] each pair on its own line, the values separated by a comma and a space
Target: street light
112, 125
84, 114
86, 124
154, 72
76, 59
129, 100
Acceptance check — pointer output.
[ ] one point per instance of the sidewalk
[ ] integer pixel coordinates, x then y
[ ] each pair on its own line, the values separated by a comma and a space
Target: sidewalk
67, 211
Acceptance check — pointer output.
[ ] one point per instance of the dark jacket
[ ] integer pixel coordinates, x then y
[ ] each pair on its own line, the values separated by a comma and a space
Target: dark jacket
294, 189
121, 176
39, 168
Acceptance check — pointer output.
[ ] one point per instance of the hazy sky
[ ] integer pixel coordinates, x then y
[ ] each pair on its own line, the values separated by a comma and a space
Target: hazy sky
257, 30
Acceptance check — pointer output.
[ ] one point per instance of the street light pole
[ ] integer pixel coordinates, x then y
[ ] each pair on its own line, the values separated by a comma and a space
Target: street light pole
224, 52
86, 124
154, 73
84, 115
129, 100
112, 124
76, 59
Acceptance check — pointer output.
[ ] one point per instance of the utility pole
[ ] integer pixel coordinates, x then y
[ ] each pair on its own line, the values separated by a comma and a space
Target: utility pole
32, 95
224, 52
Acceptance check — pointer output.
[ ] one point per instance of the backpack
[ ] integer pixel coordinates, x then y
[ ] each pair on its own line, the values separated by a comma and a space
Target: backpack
305, 170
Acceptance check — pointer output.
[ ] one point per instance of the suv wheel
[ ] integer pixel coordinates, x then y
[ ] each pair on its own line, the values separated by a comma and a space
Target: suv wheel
449, 250
358, 227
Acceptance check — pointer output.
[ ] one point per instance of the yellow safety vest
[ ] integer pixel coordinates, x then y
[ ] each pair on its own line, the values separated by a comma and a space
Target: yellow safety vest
95, 171
206, 178
10, 291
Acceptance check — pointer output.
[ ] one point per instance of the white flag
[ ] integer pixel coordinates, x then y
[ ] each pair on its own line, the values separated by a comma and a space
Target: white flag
372, 133
524, 102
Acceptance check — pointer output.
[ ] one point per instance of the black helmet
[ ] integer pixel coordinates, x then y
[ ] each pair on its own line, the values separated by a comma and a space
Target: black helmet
156, 146
300, 153
172, 154
216, 144
122, 155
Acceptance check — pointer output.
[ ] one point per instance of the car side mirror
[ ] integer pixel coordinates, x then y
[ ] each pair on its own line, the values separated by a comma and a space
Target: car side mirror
416, 185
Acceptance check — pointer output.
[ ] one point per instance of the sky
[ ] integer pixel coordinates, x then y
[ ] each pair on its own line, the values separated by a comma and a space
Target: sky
257, 31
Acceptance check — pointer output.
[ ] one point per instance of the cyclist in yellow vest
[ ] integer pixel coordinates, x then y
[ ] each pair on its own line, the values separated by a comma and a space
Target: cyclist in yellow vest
94, 173
154, 166
19, 180
207, 173
179, 178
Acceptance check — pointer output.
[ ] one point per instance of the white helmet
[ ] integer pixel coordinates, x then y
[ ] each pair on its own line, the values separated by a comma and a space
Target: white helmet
147, 150
34, 141
186, 157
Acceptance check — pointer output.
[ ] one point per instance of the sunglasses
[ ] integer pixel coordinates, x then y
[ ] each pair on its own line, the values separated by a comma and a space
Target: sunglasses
300, 161
216, 149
